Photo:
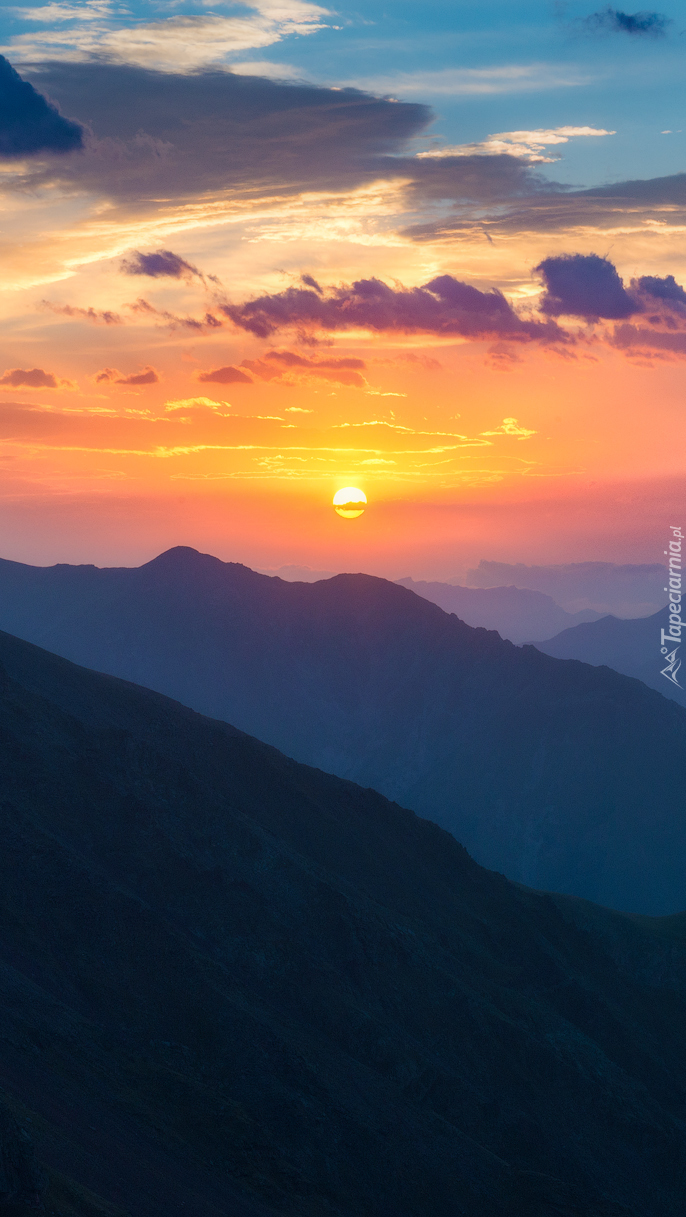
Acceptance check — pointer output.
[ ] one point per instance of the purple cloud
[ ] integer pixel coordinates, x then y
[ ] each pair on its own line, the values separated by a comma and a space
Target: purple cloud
443, 306
225, 376
281, 365
666, 289
289, 359
147, 377
33, 378
584, 285
161, 264
96, 316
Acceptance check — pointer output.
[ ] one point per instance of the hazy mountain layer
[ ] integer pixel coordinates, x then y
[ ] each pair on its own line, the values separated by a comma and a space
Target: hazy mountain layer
561, 775
516, 613
222, 972
630, 590
631, 647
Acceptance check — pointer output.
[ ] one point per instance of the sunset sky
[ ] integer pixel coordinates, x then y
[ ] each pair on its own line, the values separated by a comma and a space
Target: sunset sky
260, 252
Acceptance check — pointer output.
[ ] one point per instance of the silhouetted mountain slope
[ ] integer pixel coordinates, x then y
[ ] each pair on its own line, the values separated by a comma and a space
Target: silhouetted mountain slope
561, 775
631, 647
221, 969
516, 613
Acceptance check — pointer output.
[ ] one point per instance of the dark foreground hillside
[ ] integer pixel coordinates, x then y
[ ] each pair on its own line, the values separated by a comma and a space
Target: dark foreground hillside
560, 775
228, 981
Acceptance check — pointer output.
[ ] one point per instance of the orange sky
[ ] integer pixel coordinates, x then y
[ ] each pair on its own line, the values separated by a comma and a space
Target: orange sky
466, 446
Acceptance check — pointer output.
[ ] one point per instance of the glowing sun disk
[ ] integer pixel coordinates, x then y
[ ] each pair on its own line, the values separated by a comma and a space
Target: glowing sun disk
349, 502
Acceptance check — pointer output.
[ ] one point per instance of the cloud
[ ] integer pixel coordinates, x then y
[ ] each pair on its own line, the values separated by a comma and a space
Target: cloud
163, 263
666, 289
185, 42
96, 316
427, 362
147, 377
476, 82
198, 325
502, 357
443, 306
224, 376
528, 145
32, 378
639, 202
584, 285
91, 11
639, 24
159, 137
289, 359
633, 339
510, 426
29, 124
291, 368
198, 403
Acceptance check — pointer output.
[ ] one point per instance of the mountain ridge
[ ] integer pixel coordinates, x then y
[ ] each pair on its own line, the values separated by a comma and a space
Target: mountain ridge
561, 775
518, 614
631, 647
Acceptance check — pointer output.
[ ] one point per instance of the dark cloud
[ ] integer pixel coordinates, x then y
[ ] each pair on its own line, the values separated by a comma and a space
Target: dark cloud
289, 359
161, 264
662, 199
279, 365
469, 179
225, 376
640, 24
96, 316
584, 285
29, 124
640, 339
666, 289
442, 306
197, 325
147, 377
33, 378
158, 135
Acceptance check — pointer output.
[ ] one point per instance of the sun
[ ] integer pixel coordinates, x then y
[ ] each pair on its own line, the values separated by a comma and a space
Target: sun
350, 502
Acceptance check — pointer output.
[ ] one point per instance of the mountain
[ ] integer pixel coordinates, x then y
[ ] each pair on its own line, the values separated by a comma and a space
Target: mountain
631, 647
299, 574
233, 986
516, 613
563, 776
629, 590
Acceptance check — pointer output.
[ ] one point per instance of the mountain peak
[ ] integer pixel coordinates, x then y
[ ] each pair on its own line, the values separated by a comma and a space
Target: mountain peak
181, 555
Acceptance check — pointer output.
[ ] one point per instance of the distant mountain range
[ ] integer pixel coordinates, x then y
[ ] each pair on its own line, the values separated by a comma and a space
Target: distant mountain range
516, 613
629, 590
631, 647
232, 986
299, 574
563, 776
